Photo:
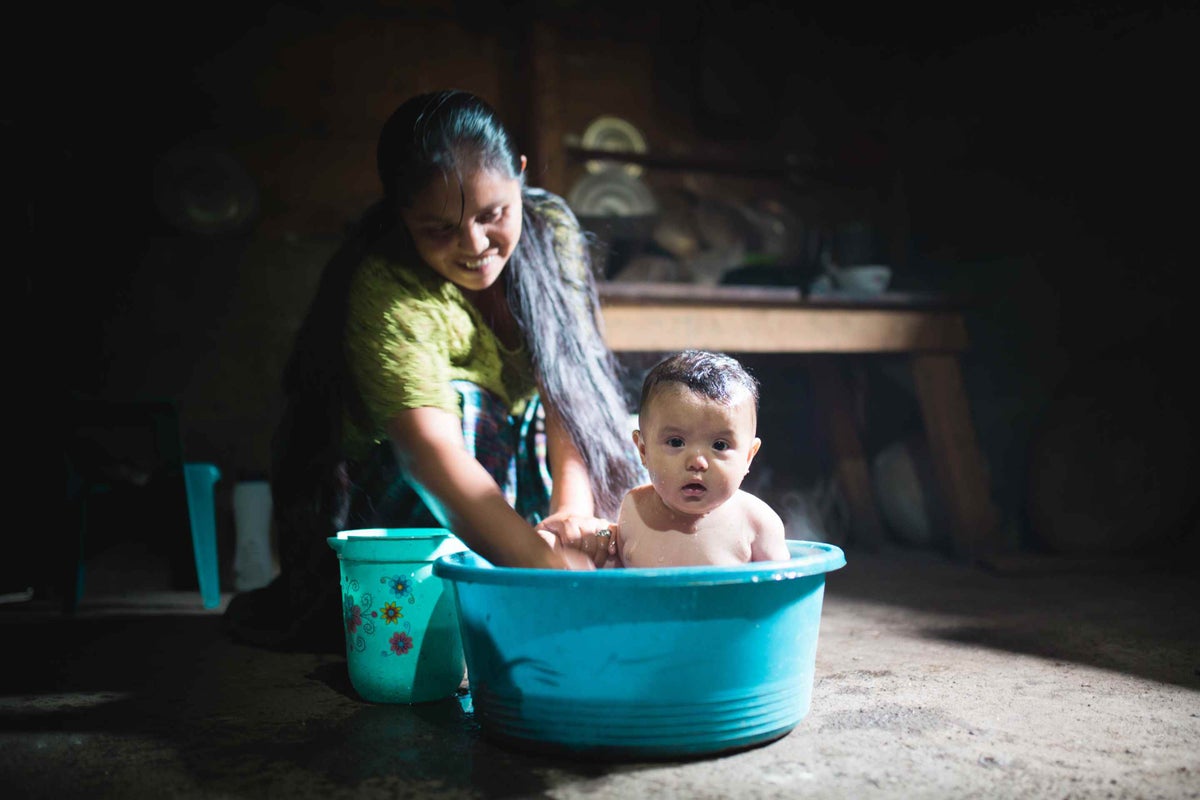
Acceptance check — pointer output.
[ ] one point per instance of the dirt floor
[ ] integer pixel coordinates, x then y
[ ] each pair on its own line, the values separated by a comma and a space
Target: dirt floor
933, 679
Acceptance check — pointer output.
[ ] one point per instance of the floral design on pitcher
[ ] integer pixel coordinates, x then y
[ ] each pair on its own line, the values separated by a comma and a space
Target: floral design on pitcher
357, 616
391, 613
360, 615
353, 615
400, 585
400, 643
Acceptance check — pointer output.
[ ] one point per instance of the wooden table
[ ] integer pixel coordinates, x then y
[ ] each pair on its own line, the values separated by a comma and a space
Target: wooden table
930, 331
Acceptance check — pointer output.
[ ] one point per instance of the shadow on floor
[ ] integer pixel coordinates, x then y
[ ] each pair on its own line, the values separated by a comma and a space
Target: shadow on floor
175, 686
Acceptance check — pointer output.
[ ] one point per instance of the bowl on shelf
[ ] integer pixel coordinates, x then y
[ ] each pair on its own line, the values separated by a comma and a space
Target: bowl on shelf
866, 279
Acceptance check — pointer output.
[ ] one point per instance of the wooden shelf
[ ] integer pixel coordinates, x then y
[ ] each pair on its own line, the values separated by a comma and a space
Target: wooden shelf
647, 292
759, 319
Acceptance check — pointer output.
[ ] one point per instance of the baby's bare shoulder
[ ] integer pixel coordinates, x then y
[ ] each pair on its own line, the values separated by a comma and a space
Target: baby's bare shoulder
754, 505
770, 537
633, 507
635, 498
641, 499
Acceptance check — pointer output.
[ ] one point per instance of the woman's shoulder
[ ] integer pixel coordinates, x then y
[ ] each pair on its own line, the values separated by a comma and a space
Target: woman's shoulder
546, 201
552, 208
390, 302
378, 269
569, 240
383, 280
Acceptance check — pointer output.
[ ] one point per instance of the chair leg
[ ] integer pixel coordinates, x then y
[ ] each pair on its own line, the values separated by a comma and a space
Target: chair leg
73, 579
70, 581
200, 480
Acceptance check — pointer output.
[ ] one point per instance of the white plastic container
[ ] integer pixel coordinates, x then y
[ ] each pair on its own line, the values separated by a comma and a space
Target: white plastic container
254, 563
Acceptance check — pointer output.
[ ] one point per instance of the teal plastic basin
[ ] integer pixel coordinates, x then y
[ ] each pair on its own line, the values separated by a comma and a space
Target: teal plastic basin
403, 641
641, 663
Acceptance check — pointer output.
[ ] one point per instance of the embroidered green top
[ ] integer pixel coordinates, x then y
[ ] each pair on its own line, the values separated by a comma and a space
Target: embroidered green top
410, 332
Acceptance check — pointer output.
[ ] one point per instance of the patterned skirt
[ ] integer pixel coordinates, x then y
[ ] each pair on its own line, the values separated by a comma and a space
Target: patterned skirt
511, 448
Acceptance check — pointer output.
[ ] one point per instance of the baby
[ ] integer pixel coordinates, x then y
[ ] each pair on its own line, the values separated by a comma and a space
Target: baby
696, 438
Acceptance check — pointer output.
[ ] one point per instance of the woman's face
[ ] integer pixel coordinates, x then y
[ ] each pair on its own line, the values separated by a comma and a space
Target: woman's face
467, 238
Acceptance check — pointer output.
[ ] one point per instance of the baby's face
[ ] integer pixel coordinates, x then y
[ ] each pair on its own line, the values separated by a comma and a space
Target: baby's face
696, 450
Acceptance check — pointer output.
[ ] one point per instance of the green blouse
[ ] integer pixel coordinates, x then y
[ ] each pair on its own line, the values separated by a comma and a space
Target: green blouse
410, 333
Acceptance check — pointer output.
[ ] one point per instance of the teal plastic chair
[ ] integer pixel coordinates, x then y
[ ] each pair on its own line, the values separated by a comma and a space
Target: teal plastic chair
199, 481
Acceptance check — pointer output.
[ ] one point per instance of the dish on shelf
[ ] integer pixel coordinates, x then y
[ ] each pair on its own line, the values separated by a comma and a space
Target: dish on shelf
611, 193
615, 135
203, 189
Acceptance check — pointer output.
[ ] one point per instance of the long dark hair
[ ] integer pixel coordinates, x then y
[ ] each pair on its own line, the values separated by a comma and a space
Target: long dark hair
576, 372
443, 135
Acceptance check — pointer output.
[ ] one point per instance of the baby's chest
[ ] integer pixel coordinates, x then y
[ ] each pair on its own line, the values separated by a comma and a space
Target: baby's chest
656, 548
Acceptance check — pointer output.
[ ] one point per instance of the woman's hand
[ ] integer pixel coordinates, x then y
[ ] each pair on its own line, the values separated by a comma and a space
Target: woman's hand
572, 529
585, 542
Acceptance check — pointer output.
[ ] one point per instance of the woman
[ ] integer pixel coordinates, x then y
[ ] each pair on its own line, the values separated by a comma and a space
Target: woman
450, 372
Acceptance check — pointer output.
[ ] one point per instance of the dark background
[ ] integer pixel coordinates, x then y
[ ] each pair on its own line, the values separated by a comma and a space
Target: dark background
1037, 160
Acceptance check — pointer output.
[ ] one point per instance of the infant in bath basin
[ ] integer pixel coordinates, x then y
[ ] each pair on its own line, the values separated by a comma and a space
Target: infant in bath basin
696, 437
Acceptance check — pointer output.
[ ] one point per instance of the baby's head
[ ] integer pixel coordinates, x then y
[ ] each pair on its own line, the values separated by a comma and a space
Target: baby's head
716, 376
697, 423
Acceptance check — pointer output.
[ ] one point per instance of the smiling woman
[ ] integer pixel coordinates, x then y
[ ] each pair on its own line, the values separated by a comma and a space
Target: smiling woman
450, 373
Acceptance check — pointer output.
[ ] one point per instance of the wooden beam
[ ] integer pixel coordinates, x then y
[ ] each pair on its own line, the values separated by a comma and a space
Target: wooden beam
834, 404
547, 157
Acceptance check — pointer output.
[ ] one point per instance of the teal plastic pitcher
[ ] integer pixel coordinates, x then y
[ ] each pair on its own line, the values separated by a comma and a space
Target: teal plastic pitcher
403, 643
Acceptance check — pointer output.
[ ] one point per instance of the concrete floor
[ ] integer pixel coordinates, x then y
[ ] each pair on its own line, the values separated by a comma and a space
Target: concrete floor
932, 680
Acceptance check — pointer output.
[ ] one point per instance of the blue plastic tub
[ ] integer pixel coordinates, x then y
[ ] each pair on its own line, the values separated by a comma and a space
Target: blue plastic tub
641, 663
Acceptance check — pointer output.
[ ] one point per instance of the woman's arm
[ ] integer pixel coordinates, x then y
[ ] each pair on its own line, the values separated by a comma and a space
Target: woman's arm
572, 506
572, 491
430, 449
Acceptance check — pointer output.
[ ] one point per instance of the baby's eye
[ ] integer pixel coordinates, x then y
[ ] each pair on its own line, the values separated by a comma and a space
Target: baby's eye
720, 445
675, 441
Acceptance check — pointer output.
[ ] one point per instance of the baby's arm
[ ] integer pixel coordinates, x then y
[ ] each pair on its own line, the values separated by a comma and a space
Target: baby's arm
614, 551
629, 524
770, 539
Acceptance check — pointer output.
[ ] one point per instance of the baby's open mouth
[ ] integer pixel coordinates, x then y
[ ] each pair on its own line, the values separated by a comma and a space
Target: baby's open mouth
694, 488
